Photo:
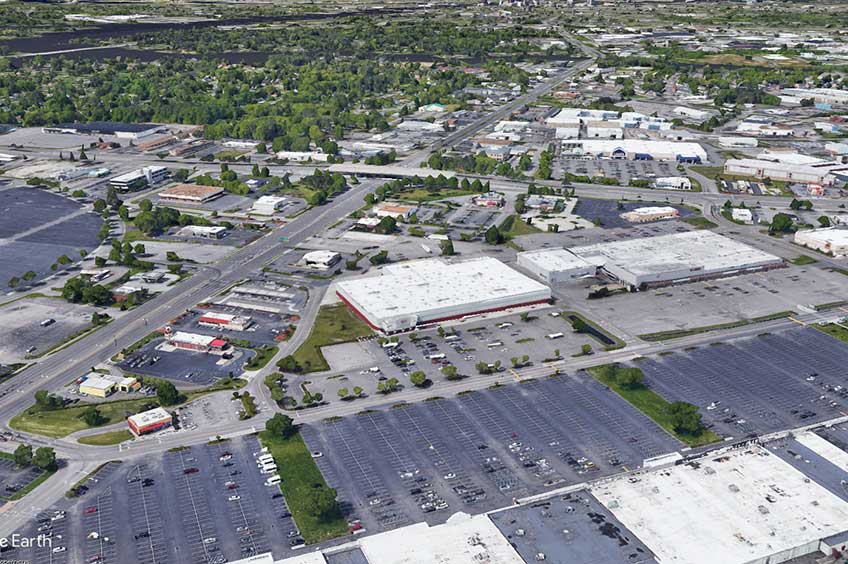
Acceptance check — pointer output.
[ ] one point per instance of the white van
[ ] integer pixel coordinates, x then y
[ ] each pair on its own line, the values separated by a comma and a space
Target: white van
495, 344
554, 335
438, 356
265, 458
273, 480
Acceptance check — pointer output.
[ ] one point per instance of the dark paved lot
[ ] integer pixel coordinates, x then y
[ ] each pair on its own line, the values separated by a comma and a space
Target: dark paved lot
153, 512
479, 451
13, 478
182, 366
758, 385
263, 331
608, 211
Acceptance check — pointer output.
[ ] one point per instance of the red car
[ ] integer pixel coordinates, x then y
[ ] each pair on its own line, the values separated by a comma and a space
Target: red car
191, 470
91, 509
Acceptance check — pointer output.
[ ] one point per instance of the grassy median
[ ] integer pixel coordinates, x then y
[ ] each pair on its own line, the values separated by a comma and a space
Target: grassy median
678, 333
651, 404
106, 439
335, 324
299, 475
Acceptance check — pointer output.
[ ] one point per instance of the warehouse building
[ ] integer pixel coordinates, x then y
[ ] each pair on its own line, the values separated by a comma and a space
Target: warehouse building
322, 260
739, 505
650, 213
555, 266
829, 240
204, 231
673, 183
197, 343
121, 130
817, 173
149, 421
394, 209
417, 293
268, 205
103, 385
224, 321
738, 142
675, 258
190, 194
636, 149
138, 179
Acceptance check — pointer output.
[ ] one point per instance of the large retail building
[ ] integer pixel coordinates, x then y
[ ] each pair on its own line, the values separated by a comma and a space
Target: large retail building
415, 293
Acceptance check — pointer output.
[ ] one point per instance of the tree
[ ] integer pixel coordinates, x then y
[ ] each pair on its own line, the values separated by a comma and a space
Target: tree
357, 391
139, 249
380, 258
145, 205
493, 235
92, 416
13, 281
556, 353
23, 455
343, 393
99, 205
45, 458
418, 379
167, 393
824, 221
514, 361
524, 316
586, 350
629, 377
289, 364
64, 260
685, 418
82, 155
578, 325
29, 275
447, 248
281, 426
780, 223
99, 262
450, 372
322, 503
112, 199
387, 225
45, 401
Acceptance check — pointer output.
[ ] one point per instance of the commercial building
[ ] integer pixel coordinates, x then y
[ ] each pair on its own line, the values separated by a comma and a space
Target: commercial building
122, 130
555, 266
190, 194
675, 258
196, 342
224, 321
302, 156
416, 293
127, 292
673, 183
268, 205
393, 209
738, 142
321, 259
149, 421
96, 274
204, 231
650, 213
138, 179
818, 95
829, 240
102, 385
740, 505
742, 214
699, 115
819, 173
489, 200
636, 149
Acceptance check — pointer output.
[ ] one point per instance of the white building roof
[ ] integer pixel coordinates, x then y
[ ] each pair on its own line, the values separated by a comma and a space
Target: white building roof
98, 382
653, 210
150, 417
320, 256
208, 229
691, 253
413, 292
555, 260
651, 147
734, 507
827, 235
193, 338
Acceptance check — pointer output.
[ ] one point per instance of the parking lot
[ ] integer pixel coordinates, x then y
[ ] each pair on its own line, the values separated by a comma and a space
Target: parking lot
608, 212
200, 505
500, 339
758, 385
480, 450
472, 216
264, 329
39, 227
624, 170
184, 366
13, 478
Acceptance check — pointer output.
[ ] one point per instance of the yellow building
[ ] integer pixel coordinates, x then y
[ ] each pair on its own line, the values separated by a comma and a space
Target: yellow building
97, 386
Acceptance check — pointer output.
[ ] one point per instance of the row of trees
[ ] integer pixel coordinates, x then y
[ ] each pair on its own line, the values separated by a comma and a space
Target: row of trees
43, 457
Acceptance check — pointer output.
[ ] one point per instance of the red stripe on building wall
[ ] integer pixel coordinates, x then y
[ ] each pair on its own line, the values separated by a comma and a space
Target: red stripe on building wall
362, 316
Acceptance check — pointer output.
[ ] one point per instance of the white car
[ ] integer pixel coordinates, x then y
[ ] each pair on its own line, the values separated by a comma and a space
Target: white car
234, 498
59, 549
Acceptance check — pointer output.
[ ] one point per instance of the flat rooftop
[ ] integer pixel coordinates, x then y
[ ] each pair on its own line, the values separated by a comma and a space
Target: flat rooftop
431, 289
555, 260
732, 506
829, 235
574, 527
105, 127
191, 191
692, 251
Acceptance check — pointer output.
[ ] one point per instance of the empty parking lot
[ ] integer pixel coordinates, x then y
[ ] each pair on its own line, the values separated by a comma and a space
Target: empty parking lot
758, 385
